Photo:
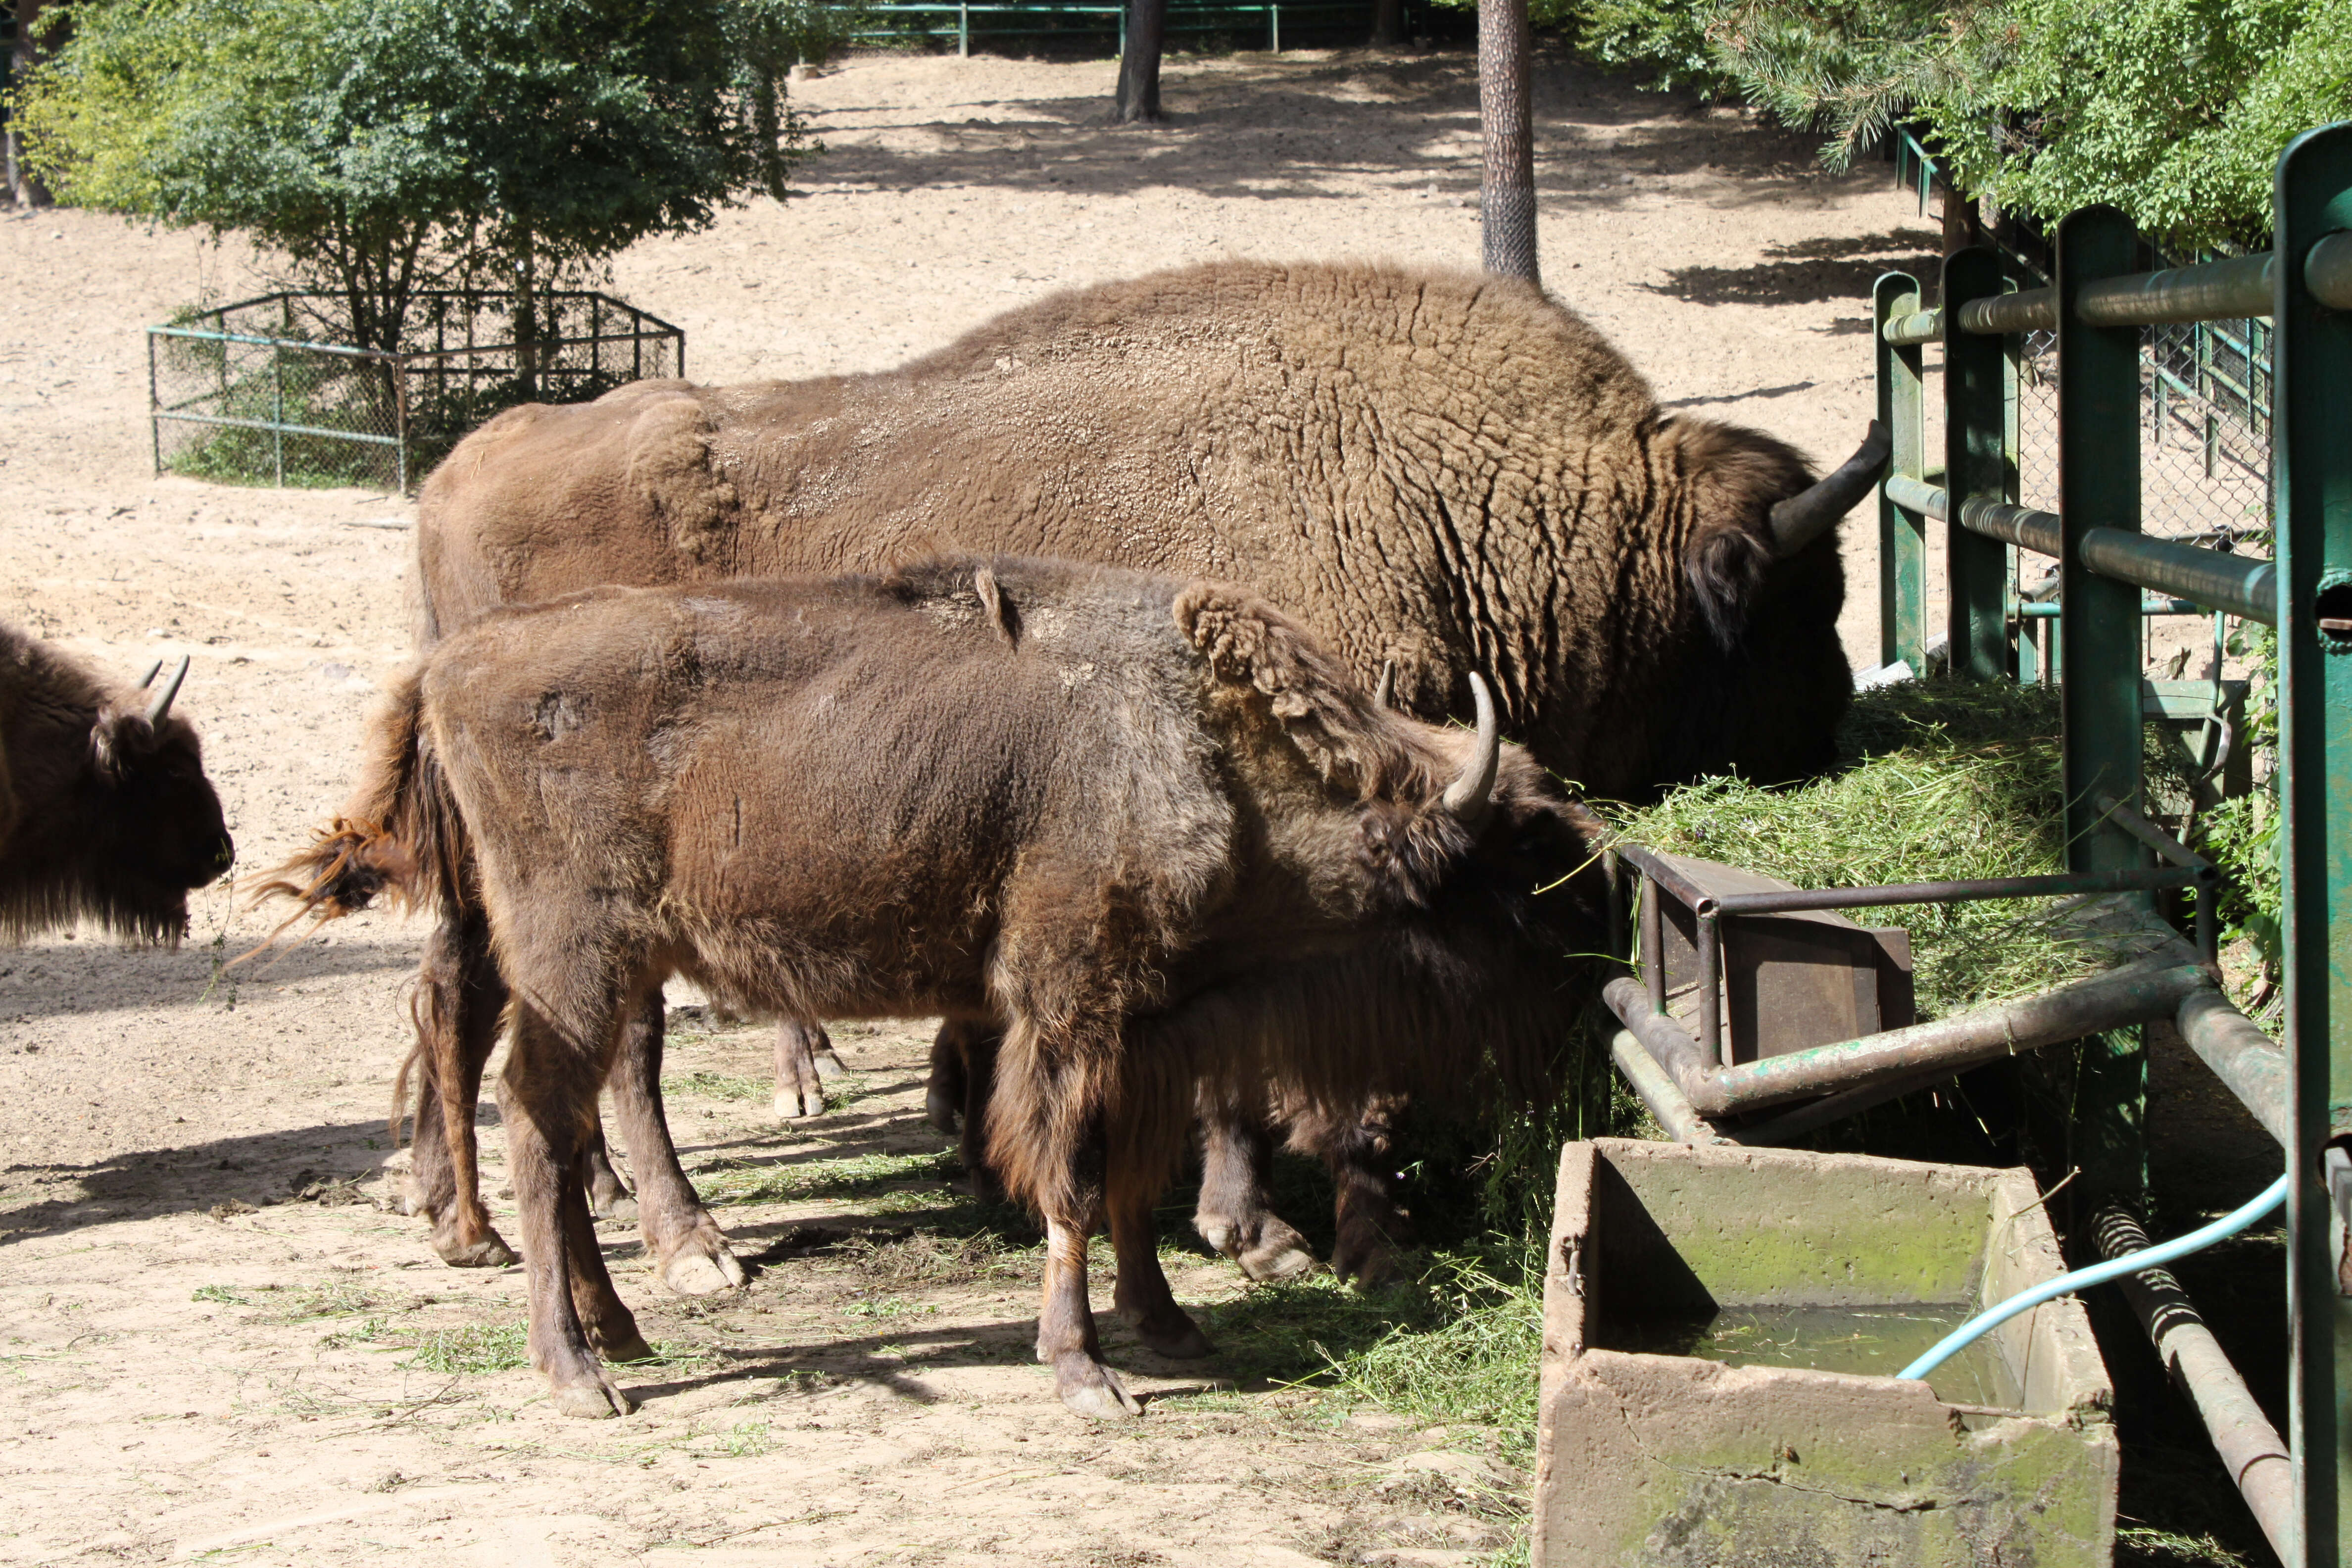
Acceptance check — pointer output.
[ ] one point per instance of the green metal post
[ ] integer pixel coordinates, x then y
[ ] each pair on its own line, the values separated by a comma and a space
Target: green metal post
2099, 679
2312, 459
1975, 418
1901, 533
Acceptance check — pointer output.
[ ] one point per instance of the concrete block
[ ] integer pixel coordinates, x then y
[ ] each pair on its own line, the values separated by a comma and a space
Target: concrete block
1648, 1455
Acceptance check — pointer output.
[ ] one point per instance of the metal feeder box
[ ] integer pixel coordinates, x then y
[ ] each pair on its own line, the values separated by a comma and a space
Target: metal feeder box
1787, 981
1650, 1456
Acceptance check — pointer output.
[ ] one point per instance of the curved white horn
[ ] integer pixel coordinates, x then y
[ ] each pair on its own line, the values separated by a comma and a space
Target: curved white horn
148, 679
1384, 694
1467, 796
162, 703
1814, 510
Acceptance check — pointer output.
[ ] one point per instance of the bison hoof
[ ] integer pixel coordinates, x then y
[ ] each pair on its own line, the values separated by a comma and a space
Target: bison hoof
597, 1401
940, 1110
828, 1064
622, 1211
1092, 1390
490, 1252
1179, 1338
799, 1105
1274, 1260
691, 1272
620, 1341
1368, 1267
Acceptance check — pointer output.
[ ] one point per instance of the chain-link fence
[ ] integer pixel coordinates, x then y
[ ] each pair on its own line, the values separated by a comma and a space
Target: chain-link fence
264, 391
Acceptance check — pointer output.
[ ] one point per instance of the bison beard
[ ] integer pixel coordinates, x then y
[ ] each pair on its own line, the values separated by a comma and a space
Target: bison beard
106, 814
1439, 472
1154, 831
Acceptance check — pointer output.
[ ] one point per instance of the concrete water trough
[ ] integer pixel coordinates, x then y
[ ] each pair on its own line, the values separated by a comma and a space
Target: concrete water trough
1720, 1329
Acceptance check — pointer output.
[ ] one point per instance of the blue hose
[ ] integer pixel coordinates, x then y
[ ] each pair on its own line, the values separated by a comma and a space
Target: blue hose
2230, 1224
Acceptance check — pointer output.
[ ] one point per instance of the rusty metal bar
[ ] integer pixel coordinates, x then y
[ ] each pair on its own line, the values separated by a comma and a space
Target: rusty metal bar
1835, 1107
2243, 1057
2057, 885
2129, 996
1654, 938
1656, 1090
1710, 989
2028, 310
2155, 837
1658, 868
2249, 1444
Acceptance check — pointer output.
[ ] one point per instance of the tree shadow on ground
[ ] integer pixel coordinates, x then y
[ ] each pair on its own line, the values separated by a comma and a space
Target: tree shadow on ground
1287, 129
1806, 273
57, 978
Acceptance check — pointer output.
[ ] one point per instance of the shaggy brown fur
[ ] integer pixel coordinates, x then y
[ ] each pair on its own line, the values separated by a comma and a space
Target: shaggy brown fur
1446, 470
103, 818
1149, 826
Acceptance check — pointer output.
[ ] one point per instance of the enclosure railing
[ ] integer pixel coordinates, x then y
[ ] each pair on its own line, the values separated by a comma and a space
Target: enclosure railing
261, 391
2096, 306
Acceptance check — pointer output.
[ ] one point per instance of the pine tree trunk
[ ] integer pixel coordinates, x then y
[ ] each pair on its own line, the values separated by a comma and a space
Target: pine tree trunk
1387, 24
24, 188
1139, 68
1961, 228
525, 321
1506, 189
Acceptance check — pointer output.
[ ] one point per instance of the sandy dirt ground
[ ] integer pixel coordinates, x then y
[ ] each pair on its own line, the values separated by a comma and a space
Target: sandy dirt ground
216, 1343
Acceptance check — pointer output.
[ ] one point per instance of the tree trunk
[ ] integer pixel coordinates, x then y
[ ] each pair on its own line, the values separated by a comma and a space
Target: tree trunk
526, 320
24, 188
1139, 66
1507, 188
1387, 24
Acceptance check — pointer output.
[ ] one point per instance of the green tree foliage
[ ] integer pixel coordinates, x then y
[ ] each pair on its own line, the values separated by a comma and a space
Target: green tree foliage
385, 145
2174, 111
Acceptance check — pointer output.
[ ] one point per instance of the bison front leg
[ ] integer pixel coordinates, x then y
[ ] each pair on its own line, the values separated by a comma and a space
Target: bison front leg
608, 1195
548, 1095
687, 1249
805, 1060
978, 1046
1371, 1228
1066, 1340
459, 999
1234, 1213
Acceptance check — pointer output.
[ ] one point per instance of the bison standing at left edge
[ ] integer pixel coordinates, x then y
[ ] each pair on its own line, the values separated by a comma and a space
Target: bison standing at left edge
105, 811
1149, 826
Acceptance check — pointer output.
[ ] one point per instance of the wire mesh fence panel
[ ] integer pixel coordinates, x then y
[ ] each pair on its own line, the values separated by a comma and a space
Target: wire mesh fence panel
263, 391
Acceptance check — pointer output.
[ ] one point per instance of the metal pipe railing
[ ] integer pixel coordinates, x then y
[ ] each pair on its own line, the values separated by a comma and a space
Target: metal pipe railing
2132, 994
2243, 586
2232, 290
2243, 1057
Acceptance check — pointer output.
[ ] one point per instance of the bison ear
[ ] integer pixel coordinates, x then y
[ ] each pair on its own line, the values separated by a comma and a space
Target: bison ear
1002, 618
119, 740
1725, 568
1249, 643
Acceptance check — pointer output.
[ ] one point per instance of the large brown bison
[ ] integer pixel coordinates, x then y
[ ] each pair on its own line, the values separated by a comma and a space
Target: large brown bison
1149, 827
105, 811
1442, 472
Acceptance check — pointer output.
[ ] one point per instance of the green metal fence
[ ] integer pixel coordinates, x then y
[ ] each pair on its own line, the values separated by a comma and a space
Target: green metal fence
2269, 337
262, 391
904, 21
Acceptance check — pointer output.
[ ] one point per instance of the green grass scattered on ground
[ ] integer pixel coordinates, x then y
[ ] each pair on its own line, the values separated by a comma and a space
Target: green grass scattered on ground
719, 1086
851, 1177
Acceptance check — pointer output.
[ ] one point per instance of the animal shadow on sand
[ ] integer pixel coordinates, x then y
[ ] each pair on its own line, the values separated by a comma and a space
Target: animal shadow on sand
222, 1177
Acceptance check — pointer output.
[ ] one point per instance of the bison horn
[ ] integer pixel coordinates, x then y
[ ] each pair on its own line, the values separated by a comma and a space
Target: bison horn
1467, 796
1811, 513
1384, 694
148, 679
162, 703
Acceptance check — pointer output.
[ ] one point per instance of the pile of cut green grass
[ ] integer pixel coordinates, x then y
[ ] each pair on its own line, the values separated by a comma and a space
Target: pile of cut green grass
1940, 781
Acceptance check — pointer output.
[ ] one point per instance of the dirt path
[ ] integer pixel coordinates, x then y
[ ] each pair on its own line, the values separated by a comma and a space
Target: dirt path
197, 1359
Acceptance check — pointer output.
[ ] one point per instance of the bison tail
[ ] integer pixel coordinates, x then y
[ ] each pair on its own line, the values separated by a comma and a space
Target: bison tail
400, 832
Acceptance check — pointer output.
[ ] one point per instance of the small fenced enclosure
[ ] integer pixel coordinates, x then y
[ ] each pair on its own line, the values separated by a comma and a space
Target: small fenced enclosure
264, 391
935, 24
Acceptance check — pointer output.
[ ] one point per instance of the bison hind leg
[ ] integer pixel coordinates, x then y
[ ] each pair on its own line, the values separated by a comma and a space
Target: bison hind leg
1233, 1213
802, 1051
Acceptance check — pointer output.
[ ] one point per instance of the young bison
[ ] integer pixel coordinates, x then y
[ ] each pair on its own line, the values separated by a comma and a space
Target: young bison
105, 811
1149, 826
